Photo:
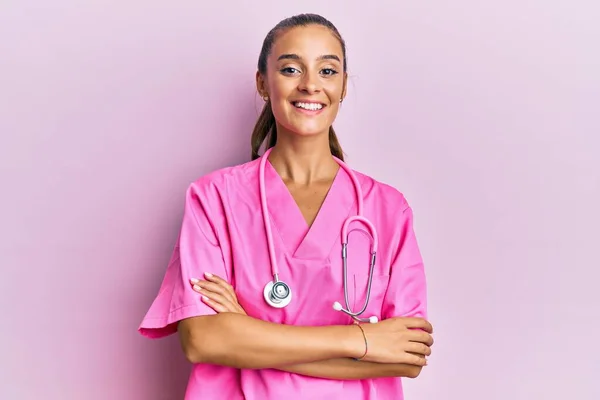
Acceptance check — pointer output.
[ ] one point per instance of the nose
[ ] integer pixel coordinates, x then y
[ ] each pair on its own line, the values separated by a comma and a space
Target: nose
310, 83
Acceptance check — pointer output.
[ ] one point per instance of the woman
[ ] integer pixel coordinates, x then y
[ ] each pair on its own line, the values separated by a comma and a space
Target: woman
257, 267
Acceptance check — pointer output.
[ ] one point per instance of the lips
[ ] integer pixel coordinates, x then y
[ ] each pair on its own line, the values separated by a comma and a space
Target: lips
308, 105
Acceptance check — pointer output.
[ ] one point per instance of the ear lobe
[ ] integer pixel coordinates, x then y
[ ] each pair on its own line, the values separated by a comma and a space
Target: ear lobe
345, 87
261, 85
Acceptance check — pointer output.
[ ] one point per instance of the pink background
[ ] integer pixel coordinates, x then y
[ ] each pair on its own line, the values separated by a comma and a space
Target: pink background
485, 114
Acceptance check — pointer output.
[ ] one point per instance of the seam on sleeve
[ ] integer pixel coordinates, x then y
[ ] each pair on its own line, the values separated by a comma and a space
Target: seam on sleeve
192, 197
216, 243
171, 312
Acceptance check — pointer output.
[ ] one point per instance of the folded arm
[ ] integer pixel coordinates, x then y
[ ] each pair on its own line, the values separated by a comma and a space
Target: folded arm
349, 369
321, 352
240, 341
326, 355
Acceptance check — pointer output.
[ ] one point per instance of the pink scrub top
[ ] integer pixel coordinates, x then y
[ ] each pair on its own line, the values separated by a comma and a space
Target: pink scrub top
223, 233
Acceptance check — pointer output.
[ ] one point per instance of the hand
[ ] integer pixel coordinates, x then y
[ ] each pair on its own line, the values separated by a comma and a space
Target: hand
399, 340
217, 294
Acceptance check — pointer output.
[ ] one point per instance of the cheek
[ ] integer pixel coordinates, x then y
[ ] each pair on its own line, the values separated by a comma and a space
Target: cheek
280, 108
279, 88
335, 93
279, 100
333, 112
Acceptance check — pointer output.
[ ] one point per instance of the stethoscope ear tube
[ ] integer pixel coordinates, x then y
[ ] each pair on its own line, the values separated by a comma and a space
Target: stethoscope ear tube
372, 319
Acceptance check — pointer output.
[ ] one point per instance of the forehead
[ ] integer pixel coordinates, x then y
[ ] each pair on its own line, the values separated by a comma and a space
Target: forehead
308, 42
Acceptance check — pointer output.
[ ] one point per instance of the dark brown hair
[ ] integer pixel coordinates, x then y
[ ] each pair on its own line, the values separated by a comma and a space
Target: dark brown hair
265, 128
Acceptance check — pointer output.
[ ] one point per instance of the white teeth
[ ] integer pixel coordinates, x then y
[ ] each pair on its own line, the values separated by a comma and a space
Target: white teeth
309, 106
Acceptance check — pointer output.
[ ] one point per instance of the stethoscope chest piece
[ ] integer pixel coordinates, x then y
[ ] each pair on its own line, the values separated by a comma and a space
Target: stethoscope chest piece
277, 294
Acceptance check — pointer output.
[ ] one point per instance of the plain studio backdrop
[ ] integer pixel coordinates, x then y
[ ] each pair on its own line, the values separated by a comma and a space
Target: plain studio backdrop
485, 114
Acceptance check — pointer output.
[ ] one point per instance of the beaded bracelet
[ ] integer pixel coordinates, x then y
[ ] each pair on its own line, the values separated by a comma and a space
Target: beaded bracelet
366, 343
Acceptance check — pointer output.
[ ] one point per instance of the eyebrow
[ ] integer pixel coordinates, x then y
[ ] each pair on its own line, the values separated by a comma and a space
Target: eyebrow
297, 57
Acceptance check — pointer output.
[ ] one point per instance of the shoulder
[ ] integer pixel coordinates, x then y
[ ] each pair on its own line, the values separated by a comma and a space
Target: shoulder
207, 197
215, 184
383, 194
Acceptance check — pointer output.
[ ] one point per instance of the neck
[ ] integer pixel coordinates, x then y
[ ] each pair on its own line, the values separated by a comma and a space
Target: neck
303, 160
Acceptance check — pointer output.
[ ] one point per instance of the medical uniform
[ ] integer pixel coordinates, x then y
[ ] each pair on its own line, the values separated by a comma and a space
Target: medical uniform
223, 233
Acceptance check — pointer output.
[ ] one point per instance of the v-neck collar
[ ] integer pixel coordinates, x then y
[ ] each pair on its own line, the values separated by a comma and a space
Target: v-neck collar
300, 241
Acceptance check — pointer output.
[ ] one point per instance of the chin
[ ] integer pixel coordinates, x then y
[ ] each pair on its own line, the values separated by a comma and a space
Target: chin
309, 131
308, 128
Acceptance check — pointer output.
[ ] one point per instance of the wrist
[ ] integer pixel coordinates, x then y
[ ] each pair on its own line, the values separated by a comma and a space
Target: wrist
364, 336
353, 342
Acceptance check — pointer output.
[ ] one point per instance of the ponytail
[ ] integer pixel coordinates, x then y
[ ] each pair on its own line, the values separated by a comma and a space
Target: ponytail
266, 130
334, 145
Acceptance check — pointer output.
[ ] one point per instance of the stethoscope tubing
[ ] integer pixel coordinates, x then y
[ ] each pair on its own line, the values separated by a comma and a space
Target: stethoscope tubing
344, 239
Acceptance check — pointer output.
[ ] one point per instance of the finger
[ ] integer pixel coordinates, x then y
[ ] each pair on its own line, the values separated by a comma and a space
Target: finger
418, 348
216, 288
223, 283
219, 308
223, 303
413, 359
422, 357
421, 337
418, 323
218, 280
213, 277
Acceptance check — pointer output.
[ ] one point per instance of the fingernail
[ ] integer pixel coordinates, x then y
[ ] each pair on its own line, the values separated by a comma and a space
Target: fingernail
204, 298
208, 274
196, 287
194, 280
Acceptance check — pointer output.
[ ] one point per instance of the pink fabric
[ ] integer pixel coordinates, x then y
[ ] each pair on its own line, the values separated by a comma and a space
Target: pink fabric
223, 233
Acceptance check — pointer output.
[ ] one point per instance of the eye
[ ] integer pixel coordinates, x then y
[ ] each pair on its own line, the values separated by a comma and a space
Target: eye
290, 71
329, 71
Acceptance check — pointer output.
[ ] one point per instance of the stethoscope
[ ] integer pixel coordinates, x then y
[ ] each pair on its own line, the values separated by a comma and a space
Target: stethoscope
276, 292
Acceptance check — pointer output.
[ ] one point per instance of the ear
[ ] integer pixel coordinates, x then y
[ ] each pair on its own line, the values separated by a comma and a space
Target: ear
345, 86
261, 85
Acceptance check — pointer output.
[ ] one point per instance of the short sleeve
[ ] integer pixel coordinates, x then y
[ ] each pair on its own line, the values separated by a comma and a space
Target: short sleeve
406, 295
197, 251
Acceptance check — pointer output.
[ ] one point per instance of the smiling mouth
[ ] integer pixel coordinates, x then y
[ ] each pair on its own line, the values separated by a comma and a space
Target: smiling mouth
308, 106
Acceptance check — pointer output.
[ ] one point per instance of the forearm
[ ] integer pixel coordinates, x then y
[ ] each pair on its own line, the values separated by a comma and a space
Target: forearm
240, 341
349, 369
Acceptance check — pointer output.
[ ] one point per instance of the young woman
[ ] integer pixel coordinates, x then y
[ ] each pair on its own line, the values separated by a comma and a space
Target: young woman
277, 257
